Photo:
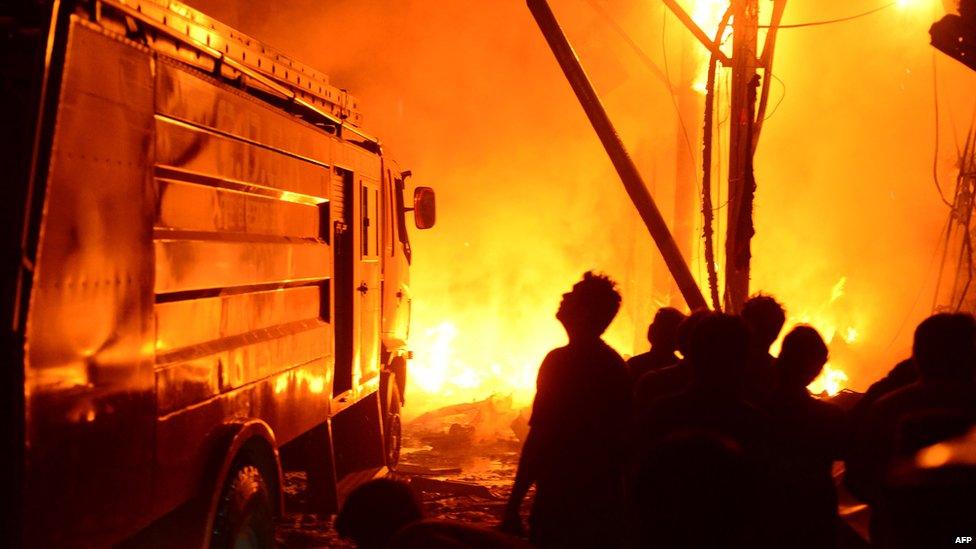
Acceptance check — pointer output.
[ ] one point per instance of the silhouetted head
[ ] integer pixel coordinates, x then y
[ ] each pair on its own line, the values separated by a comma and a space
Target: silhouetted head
802, 357
687, 327
663, 331
374, 511
766, 317
944, 347
587, 310
719, 349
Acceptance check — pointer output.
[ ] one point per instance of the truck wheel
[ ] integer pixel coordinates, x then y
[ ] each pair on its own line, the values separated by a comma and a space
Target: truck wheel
392, 430
244, 518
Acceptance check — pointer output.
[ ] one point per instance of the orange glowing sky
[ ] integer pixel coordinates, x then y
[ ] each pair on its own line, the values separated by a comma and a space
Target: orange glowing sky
469, 98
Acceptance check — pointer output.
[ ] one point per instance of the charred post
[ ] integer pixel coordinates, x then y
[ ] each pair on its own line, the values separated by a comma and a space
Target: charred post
622, 162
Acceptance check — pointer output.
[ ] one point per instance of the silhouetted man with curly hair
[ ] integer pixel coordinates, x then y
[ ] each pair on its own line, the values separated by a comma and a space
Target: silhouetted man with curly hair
574, 452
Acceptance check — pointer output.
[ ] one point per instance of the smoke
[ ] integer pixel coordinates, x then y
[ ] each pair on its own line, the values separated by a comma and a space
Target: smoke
468, 96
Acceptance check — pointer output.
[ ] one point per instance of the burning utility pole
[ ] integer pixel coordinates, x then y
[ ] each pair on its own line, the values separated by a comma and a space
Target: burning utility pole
742, 182
742, 134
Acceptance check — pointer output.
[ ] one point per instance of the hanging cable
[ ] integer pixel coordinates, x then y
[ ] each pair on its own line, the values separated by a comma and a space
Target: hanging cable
707, 212
781, 98
638, 51
964, 199
663, 76
831, 21
935, 156
766, 62
674, 98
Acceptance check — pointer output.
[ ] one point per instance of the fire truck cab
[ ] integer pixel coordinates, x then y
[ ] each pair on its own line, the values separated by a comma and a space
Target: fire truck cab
205, 279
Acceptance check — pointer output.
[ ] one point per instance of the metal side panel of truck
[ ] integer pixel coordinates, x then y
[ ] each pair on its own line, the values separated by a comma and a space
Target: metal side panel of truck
205, 279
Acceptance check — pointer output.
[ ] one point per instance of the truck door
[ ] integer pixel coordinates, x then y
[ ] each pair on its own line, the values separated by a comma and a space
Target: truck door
368, 287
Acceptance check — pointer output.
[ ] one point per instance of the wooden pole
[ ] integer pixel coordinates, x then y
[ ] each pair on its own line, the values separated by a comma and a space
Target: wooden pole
622, 162
742, 184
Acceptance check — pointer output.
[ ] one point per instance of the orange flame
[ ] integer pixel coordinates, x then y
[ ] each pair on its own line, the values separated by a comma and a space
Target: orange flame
707, 14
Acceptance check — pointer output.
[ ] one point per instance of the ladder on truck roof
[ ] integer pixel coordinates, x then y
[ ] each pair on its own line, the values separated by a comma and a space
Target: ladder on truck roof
232, 55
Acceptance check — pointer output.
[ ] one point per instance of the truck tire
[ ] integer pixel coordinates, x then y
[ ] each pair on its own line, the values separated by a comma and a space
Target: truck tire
392, 429
245, 517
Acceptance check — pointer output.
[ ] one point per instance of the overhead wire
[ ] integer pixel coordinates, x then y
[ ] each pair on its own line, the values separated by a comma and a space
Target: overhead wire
831, 21
781, 98
766, 63
674, 98
964, 197
935, 156
663, 76
641, 54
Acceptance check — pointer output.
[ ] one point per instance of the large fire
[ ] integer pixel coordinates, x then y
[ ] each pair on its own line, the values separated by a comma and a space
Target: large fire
442, 371
471, 100
450, 368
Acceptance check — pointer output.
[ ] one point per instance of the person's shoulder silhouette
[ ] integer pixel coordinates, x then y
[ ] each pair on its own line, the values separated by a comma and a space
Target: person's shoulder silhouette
765, 317
713, 400
671, 379
586, 367
808, 435
662, 334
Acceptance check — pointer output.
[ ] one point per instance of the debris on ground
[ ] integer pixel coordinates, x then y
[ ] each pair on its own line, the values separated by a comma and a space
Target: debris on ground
461, 460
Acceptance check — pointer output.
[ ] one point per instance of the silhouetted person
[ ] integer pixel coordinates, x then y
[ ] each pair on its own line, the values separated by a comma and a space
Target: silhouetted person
765, 316
903, 374
713, 402
940, 404
574, 452
663, 337
808, 434
385, 513
670, 379
696, 490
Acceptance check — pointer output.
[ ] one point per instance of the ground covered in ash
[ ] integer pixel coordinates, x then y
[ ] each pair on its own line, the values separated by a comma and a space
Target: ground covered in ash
461, 461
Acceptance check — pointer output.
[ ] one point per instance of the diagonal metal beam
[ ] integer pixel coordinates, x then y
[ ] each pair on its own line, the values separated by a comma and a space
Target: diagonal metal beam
712, 46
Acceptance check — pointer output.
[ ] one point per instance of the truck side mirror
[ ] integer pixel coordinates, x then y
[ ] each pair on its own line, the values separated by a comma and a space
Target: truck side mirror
424, 207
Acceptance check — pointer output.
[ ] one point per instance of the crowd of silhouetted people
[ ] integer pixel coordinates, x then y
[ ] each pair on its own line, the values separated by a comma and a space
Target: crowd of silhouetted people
708, 440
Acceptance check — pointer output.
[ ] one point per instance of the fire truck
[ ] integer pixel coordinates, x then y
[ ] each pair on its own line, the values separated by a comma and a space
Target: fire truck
205, 280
